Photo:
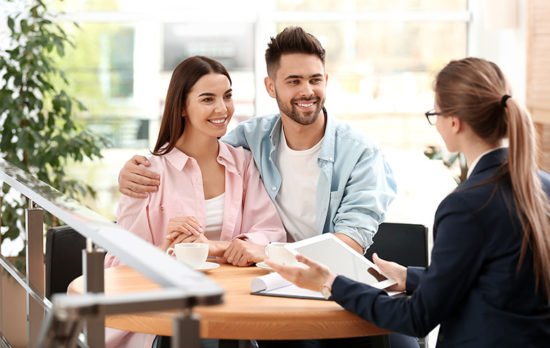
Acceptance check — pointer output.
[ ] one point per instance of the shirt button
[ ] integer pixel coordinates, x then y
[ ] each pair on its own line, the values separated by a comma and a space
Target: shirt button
273, 188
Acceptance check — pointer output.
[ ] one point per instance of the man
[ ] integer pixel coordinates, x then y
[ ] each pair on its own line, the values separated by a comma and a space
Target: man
322, 175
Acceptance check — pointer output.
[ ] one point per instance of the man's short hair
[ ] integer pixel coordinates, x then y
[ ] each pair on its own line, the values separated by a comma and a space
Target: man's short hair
291, 40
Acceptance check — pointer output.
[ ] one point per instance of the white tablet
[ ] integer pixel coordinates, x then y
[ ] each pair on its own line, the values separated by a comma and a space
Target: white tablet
340, 258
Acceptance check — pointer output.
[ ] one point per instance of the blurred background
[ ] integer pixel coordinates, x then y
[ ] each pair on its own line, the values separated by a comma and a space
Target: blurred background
382, 56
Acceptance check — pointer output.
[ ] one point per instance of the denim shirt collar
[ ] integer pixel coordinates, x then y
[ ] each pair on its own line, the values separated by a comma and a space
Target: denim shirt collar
327, 147
329, 139
275, 135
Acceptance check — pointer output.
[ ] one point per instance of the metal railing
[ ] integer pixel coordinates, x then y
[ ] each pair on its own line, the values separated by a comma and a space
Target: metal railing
60, 322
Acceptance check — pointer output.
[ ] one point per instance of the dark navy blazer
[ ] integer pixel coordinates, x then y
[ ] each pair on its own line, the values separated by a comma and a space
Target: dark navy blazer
472, 287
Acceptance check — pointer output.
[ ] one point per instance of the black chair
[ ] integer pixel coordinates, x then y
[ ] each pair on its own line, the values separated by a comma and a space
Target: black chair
406, 244
63, 258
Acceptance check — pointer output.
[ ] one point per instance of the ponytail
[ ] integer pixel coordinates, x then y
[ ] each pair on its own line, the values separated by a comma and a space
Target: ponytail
476, 91
529, 197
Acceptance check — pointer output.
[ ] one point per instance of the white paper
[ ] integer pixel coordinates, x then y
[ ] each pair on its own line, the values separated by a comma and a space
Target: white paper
269, 282
274, 284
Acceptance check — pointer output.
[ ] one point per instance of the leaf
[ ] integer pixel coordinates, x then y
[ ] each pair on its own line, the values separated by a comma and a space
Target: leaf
11, 23
60, 48
24, 26
81, 106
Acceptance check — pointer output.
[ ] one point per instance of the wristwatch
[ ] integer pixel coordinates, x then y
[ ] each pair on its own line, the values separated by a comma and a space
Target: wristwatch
326, 289
326, 292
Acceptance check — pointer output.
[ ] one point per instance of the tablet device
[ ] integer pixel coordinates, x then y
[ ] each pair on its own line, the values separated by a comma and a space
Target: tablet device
341, 259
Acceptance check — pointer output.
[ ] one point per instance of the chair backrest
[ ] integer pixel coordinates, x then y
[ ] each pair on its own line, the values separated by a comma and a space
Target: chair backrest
406, 244
63, 258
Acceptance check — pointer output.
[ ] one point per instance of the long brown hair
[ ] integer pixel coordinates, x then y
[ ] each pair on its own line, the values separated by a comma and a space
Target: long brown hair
472, 89
184, 77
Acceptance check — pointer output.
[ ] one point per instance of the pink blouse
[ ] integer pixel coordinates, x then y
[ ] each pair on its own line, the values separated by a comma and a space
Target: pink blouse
249, 213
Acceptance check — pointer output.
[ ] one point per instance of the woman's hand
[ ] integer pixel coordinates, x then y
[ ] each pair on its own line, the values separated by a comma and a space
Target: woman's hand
215, 247
188, 225
393, 270
191, 238
180, 227
313, 277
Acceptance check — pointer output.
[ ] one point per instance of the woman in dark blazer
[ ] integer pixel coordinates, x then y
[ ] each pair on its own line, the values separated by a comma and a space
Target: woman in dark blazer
488, 283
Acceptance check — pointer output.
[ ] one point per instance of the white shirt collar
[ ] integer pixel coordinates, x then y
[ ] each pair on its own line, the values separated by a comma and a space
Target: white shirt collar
474, 163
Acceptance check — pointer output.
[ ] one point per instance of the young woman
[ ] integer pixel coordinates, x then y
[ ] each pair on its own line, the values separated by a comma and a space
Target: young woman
209, 192
488, 284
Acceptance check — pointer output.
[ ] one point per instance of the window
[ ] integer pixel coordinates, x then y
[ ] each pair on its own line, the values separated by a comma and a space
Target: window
382, 57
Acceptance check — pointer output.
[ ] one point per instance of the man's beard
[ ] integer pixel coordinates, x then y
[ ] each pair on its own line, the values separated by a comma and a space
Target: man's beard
300, 117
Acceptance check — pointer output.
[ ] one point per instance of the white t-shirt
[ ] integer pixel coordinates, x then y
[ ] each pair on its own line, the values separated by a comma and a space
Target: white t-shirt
296, 198
214, 217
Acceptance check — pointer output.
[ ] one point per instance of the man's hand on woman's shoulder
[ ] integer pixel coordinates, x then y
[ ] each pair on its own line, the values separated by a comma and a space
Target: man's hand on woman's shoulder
135, 181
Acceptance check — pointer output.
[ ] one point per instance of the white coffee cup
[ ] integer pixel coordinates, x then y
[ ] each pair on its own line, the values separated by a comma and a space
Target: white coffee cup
192, 254
277, 252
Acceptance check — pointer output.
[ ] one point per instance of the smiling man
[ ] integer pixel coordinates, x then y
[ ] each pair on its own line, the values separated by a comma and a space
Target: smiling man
323, 176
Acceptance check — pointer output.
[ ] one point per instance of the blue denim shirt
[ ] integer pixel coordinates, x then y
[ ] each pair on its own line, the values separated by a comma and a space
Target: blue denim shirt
355, 185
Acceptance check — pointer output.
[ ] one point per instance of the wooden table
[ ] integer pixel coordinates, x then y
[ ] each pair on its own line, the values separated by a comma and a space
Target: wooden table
241, 316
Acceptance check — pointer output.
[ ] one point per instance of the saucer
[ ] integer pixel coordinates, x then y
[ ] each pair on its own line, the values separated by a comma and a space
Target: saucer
264, 266
207, 266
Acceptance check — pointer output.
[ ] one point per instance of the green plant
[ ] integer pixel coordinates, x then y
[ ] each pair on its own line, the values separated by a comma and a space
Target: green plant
39, 131
456, 159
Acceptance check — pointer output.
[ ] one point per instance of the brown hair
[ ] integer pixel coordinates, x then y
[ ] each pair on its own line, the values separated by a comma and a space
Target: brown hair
291, 40
472, 89
184, 77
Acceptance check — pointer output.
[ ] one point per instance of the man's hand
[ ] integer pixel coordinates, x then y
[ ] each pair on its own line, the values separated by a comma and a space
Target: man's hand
134, 180
313, 277
243, 253
351, 242
394, 270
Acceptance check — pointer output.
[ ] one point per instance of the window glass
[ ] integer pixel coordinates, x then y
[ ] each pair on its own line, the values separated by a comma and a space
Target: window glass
372, 5
101, 67
121, 71
381, 82
87, 5
384, 71
380, 74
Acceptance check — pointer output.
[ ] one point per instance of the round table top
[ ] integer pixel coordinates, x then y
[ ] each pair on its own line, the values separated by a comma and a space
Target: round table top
242, 315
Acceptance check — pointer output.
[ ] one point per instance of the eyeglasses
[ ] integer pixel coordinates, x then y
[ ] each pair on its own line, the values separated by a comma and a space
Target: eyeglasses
431, 116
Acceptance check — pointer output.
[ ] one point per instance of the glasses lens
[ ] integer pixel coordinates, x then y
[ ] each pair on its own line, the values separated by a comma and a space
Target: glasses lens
431, 116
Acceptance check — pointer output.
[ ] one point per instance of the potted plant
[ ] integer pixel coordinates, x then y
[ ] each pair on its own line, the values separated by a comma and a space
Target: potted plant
450, 161
39, 130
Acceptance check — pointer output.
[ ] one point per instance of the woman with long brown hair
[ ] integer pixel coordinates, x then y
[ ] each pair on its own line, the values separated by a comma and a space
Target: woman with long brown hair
209, 192
488, 284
